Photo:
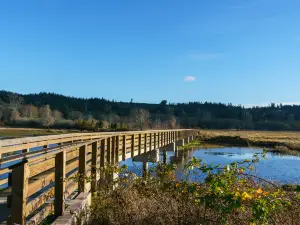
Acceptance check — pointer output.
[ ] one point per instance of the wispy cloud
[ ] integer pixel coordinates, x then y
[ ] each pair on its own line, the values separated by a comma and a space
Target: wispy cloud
189, 79
204, 56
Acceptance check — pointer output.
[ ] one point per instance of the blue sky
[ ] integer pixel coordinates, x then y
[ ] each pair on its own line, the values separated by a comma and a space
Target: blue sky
238, 51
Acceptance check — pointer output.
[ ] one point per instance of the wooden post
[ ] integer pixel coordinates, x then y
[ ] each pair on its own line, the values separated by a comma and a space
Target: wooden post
140, 144
82, 168
155, 144
108, 151
158, 140
132, 146
150, 143
60, 184
94, 166
117, 147
124, 148
145, 143
113, 150
145, 169
19, 192
102, 161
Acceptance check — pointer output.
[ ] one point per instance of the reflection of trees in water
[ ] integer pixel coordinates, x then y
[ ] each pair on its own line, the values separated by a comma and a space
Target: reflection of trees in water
284, 153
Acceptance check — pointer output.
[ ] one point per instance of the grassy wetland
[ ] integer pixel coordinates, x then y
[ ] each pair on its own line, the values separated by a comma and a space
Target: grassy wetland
280, 140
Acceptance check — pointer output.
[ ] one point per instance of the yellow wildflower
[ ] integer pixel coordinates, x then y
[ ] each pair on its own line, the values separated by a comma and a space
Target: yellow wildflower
178, 184
218, 189
246, 196
237, 194
259, 191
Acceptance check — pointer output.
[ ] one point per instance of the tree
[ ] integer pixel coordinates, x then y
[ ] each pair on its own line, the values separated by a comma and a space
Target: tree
14, 115
75, 115
142, 118
46, 116
157, 123
172, 122
57, 115
15, 100
29, 111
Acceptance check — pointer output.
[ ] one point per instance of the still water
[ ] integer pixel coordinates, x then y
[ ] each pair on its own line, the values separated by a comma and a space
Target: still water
277, 167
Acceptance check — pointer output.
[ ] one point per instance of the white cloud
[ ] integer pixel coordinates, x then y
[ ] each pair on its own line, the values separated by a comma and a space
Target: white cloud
204, 56
189, 79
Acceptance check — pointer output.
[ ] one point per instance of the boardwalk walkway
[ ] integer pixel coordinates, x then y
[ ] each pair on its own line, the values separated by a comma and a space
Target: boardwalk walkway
33, 170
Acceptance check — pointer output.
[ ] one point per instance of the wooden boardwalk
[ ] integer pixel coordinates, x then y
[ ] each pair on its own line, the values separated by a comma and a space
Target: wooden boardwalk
34, 170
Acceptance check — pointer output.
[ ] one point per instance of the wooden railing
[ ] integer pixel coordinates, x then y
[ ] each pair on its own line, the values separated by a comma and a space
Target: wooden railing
37, 168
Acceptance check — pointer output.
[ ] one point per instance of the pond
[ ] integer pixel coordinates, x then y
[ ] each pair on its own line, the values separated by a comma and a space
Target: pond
277, 167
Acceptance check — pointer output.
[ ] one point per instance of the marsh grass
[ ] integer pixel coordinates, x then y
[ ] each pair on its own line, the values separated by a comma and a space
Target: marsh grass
266, 139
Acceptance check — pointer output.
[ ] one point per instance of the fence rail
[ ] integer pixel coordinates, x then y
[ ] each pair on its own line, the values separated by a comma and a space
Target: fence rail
35, 170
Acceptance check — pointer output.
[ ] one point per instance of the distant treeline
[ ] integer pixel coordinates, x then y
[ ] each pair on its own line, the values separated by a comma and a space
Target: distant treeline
59, 111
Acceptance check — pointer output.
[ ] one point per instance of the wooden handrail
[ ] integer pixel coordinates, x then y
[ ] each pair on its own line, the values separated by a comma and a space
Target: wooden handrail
44, 171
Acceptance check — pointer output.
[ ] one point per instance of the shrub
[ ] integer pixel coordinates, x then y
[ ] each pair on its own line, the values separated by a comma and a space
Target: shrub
207, 194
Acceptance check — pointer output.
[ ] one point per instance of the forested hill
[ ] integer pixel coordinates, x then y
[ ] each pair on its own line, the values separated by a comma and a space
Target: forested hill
54, 110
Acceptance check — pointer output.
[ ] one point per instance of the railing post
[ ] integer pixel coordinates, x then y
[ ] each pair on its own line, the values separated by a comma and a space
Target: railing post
150, 143
102, 161
132, 146
124, 148
113, 150
94, 166
158, 139
108, 151
60, 185
117, 147
19, 192
82, 168
140, 144
145, 143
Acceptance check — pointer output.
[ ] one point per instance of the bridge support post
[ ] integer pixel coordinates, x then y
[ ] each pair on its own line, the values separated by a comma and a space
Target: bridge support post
145, 143
102, 161
182, 142
82, 169
145, 169
124, 148
113, 149
60, 183
117, 147
140, 144
150, 142
164, 157
94, 166
108, 151
19, 192
111, 176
